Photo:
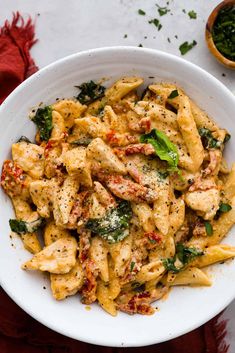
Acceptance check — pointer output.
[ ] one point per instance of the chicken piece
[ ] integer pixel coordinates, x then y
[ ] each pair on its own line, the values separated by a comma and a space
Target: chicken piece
98, 253
77, 164
69, 110
29, 157
103, 155
59, 257
89, 126
127, 189
42, 193
53, 232
64, 200
105, 198
205, 202
14, 181
58, 129
24, 212
67, 284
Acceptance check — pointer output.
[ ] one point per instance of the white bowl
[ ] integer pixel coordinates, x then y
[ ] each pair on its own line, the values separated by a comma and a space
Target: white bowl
186, 308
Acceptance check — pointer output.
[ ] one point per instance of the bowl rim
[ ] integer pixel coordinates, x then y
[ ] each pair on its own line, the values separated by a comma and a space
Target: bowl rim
43, 71
209, 38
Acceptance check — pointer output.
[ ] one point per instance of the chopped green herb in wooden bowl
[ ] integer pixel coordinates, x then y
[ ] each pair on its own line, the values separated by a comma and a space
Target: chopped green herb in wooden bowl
220, 33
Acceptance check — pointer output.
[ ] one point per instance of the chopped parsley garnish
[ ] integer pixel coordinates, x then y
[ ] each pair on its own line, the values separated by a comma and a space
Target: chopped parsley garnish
192, 14
141, 12
208, 140
223, 32
184, 254
21, 227
186, 46
132, 266
43, 120
164, 148
209, 229
169, 265
156, 23
162, 10
113, 227
173, 94
89, 92
223, 208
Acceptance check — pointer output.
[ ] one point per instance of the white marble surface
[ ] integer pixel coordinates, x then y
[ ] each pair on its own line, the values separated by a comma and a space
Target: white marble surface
68, 26
64, 27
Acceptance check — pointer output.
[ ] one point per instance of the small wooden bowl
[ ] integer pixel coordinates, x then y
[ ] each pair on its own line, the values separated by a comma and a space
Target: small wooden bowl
209, 39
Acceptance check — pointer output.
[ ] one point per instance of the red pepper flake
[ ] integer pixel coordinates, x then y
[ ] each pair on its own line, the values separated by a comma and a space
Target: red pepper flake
111, 136
154, 237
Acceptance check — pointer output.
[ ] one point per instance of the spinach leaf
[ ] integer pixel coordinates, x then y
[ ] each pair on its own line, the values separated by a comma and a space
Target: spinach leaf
164, 148
113, 227
184, 254
208, 140
22, 227
89, 92
43, 120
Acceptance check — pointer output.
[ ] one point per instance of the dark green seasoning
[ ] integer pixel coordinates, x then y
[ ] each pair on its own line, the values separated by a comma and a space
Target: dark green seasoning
223, 32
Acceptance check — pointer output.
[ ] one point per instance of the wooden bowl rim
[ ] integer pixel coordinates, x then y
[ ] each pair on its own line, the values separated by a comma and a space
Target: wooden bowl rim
208, 33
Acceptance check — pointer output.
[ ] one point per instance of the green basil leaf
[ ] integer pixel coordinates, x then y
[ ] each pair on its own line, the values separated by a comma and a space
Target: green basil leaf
164, 148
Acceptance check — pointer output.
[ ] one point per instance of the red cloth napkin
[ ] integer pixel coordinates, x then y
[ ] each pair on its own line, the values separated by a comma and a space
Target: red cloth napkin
16, 64
19, 333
